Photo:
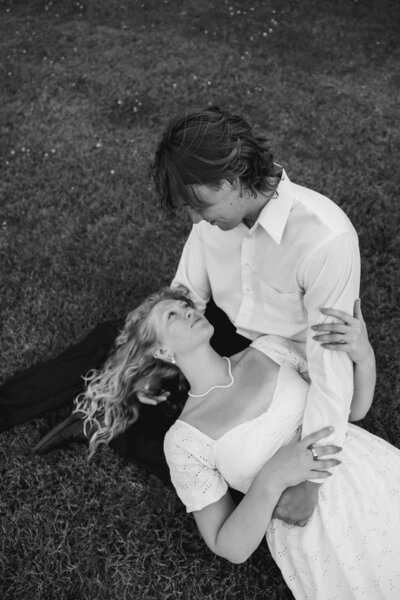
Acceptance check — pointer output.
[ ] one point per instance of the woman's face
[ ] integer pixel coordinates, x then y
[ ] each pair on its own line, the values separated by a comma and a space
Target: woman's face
179, 327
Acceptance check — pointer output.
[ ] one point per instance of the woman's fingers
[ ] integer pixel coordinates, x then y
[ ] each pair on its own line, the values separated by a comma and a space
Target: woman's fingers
323, 474
327, 450
324, 466
314, 437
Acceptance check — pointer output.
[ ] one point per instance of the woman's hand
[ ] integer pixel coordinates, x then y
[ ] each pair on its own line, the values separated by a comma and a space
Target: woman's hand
349, 335
297, 462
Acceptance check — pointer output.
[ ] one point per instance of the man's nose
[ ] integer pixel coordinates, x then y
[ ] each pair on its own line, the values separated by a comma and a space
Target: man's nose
194, 214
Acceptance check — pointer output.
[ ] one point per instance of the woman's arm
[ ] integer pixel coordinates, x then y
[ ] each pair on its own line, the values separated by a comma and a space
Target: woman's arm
235, 532
350, 335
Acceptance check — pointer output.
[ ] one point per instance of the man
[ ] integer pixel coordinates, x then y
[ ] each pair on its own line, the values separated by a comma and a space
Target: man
270, 253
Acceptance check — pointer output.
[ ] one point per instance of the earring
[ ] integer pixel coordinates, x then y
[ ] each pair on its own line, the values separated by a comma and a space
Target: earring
173, 360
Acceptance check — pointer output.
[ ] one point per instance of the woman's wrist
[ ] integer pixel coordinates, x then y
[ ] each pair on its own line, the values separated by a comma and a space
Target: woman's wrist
271, 482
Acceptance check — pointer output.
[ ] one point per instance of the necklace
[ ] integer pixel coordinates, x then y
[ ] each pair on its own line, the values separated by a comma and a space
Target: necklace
215, 387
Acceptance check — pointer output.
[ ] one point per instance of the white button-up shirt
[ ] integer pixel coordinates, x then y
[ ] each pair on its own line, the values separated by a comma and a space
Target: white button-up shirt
301, 255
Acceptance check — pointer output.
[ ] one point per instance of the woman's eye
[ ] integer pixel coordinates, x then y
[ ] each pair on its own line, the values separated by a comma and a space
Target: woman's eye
171, 314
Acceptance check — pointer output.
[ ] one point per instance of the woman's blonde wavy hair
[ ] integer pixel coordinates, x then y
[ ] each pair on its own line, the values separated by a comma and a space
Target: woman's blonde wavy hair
110, 403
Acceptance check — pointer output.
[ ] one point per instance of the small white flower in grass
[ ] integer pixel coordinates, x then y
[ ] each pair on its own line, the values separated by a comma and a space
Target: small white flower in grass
112, 172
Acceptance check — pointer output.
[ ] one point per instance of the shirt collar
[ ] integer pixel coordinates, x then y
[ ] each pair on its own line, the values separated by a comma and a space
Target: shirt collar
274, 215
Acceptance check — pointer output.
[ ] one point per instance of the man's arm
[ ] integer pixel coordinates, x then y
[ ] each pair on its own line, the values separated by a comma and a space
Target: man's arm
349, 334
192, 270
330, 277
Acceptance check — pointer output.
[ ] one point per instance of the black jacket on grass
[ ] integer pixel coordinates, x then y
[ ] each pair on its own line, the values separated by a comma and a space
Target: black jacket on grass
56, 382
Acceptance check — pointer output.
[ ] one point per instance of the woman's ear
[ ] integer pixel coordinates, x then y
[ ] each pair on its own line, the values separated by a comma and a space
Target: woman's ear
163, 353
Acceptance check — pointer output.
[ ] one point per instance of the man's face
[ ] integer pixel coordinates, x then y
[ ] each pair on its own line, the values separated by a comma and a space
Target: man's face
222, 207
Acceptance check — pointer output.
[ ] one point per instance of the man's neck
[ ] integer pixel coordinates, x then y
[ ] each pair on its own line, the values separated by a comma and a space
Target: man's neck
260, 201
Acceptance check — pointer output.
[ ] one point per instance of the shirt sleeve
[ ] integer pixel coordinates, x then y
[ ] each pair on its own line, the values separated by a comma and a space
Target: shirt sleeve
331, 279
192, 271
193, 473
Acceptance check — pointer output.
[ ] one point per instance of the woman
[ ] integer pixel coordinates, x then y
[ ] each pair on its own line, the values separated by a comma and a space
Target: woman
240, 427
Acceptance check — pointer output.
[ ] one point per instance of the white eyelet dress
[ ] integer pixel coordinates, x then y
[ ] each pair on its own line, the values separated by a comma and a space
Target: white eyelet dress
350, 548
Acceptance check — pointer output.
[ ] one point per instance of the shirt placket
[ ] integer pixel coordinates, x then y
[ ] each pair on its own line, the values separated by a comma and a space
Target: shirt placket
247, 303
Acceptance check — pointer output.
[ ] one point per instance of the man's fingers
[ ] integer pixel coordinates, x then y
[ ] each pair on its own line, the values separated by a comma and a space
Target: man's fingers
339, 314
328, 327
336, 347
329, 338
357, 310
301, 523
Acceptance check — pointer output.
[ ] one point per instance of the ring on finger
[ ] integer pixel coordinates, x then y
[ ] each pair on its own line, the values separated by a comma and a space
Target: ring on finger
313, 451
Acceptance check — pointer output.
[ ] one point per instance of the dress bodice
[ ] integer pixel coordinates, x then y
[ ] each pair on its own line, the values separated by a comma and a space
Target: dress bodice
243, 450
202, 468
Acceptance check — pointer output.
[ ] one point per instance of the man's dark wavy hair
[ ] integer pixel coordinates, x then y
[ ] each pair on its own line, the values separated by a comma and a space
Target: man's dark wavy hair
203, 147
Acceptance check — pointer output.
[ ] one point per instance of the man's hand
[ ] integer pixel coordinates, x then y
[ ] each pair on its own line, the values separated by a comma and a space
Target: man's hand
153, 392
297, 503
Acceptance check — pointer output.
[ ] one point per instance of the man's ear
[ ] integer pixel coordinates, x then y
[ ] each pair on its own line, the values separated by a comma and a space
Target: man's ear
233, 183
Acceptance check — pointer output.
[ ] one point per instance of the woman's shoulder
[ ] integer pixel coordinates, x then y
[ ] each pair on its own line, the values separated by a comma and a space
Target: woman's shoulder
283, 351
183, 436
251, 353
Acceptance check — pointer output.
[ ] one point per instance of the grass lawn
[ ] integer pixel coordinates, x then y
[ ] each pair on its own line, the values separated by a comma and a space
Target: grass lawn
86, 87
